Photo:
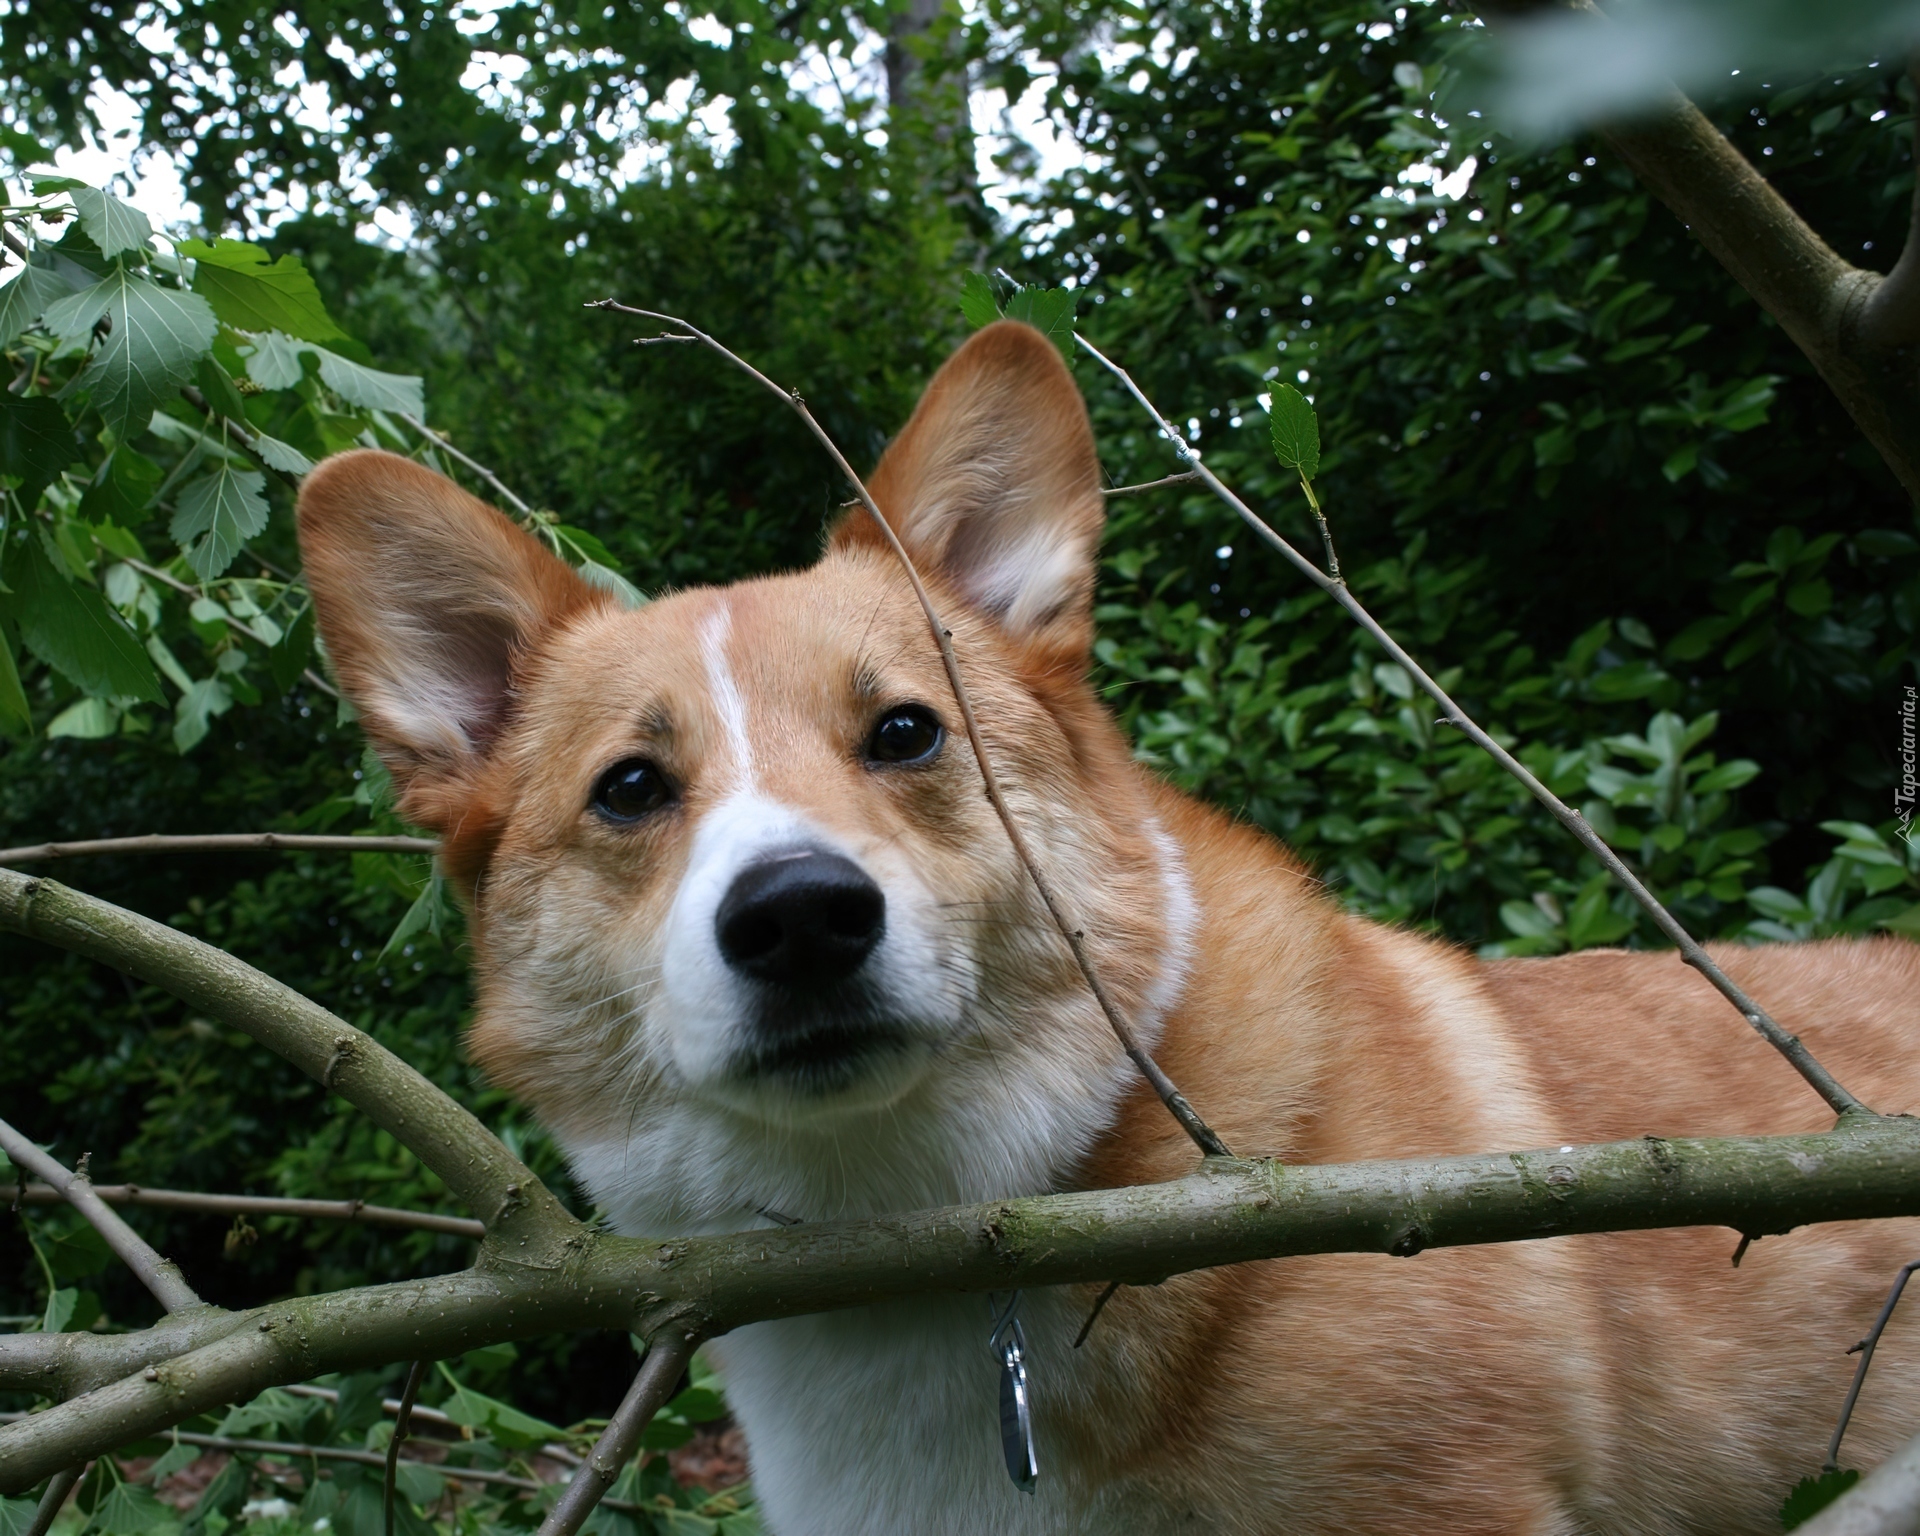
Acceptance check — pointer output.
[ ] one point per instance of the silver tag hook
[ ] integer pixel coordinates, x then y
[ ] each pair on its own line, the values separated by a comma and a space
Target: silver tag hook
1009, 1342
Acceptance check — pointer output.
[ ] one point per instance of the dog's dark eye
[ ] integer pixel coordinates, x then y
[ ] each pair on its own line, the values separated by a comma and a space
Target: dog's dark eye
632, 789
911, 733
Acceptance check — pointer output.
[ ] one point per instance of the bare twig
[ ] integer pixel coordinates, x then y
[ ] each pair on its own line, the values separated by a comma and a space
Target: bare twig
1864, 1349
52, 1501
1189, 1119
159, 1275
441, 442
1107, 1295
218, 842
1789, 1046
1186, 477
402, 1424
1886, 1502
296, 1449
245, 628
653, 1384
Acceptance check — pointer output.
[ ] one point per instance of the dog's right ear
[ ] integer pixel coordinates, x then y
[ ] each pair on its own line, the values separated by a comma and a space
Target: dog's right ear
426, 598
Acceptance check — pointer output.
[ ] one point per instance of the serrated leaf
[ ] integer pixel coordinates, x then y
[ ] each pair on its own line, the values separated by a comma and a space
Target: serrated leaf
214, 516
85, 720
369, 388
153, 337
273, 361
70, 627
128, 1510
33, 290
281, 456
112, 225
977, 304
1296, 431
515, 1430
1049, 311
252, 294
36, 443
427, 912
222, 398
123, 487
1812, 1494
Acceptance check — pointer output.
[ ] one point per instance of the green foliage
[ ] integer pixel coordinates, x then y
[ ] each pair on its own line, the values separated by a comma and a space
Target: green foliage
1572, 468
1296, 431
1812, 1494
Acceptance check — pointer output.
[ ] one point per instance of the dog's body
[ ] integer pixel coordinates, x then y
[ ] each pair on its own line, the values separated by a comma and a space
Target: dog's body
747, 946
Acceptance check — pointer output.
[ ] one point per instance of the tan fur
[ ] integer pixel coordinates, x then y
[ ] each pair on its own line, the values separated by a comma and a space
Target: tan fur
1625, 1384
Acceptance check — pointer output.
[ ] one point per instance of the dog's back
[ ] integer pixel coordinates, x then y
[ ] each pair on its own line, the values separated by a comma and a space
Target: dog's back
750, 939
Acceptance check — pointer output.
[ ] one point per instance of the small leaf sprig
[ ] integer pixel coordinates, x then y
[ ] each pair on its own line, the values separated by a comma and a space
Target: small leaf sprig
1296, 444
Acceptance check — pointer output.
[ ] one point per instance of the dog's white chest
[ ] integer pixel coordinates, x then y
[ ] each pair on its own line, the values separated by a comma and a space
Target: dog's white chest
885, 1421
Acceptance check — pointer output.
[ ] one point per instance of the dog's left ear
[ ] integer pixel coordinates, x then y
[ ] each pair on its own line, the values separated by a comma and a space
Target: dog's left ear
994, 488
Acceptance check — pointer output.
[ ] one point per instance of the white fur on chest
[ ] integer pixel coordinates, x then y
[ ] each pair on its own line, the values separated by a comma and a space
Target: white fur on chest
885, 1421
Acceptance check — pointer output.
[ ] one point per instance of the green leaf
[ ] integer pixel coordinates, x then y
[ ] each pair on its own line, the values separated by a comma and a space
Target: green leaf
171, 1461
216, 514
123, 488
85, 720
152, 339
1296, 431
515, 1430
16, 1516
15, 716
274, 363
1049, 311
250, 294
128, 1510
71, 628
284, 457
287, 660
27, 297
221, 396
1812, 1494
112, 225
977, 305
36, 443
428, 911
605, 576
193, 715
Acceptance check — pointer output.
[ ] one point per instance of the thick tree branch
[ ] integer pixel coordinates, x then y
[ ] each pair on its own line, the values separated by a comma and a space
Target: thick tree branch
218, 842
255, 1205
1886, 1502
1230, 1212
474, 1166
1176, 1103
159, 1275
1802, 1060
1860, 331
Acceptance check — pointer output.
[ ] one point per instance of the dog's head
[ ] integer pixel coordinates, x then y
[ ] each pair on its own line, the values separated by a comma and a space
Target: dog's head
748, 931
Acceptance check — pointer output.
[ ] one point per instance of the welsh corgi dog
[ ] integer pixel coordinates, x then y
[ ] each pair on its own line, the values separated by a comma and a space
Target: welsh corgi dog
749, 938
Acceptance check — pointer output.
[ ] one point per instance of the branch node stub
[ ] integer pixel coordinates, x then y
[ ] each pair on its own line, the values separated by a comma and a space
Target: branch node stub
1408, 1243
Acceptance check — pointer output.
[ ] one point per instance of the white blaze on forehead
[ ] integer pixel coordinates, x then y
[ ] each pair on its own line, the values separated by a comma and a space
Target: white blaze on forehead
732, 709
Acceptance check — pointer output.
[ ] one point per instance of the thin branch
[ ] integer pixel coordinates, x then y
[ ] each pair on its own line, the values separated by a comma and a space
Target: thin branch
52, 1501
241, 433
1176, 1103
293, 1449
1886, 1502
402, 1425
159, 1275
480, 1172
1229, 1212
312, 677
440, 442
1864, 1349
1186, 477
667, 1357
218, 842
1818, 1078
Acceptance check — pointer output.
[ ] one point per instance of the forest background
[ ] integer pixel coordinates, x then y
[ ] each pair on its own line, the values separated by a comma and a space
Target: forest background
1569, 463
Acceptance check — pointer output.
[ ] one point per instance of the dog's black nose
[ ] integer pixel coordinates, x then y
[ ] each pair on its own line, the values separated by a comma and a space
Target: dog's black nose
801, 921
